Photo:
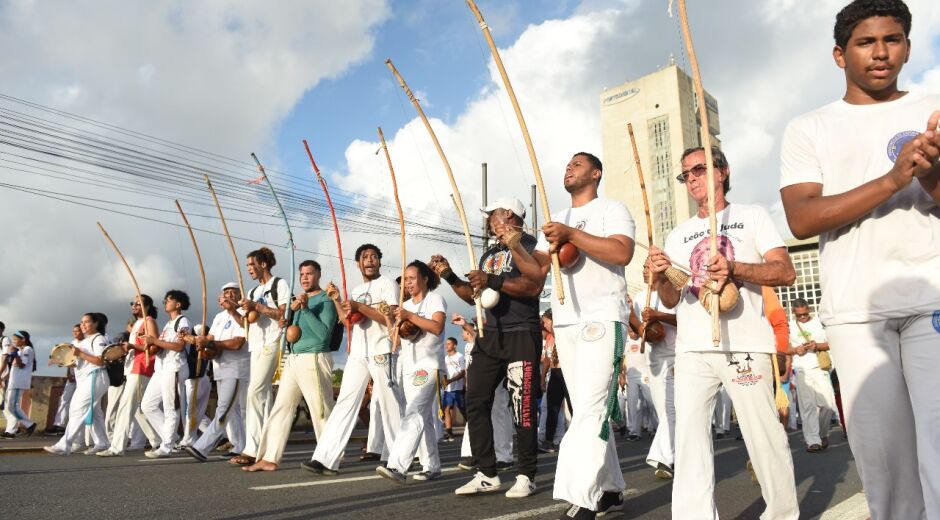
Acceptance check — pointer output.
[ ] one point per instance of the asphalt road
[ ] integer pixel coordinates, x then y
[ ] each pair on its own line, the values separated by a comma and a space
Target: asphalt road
78, 486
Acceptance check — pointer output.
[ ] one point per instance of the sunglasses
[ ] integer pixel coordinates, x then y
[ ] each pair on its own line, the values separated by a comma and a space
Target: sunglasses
802, 315
135, 304
697, 171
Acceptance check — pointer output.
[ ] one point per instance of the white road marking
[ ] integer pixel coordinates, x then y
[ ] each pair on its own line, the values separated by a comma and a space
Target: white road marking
853, 508
328, 481
533, 512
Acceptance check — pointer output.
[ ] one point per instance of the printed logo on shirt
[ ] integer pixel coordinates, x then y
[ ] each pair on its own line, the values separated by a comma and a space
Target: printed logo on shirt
421, 377
498, 263
698, 260
519, 382
746, 375
898, 141
365, 298
936, 321
580, 225
593, 331
380, 360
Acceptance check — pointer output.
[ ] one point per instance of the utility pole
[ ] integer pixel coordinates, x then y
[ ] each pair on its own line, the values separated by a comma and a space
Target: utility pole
486, 227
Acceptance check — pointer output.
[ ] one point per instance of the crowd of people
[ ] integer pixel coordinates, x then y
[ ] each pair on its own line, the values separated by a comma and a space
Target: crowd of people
597, 362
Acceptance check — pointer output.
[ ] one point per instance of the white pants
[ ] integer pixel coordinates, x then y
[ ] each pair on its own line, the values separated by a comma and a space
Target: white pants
62, 414
342, 420
750, 385
89, 391
817, 404
639, 406
126, 413
227, 419
307, 376
202, 402
503, 429
375, 442
662, 380
13, 411
260, 395
159, 404
416, 433
110, 411
889, 385
721, 419
587, 465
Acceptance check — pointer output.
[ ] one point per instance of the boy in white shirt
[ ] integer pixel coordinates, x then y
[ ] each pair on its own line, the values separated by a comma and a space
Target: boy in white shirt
817, 400
862, 173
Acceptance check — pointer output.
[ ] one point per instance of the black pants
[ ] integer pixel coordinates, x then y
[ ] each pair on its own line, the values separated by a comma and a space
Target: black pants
556, 393
514, 356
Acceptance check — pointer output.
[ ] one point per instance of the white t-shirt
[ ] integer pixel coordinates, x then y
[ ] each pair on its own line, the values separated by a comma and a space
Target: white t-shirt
22, 378
884, 265
266, 331
370, 338
638, 363
93, 345
427, 351
172, 360
657, 349
455, 363
745, 234
229, 364
811, 331
594, 290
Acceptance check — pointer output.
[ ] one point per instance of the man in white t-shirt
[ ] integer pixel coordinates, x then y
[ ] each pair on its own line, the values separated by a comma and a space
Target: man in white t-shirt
817, 400
370, 356
662, 362
453, 387
225, 344
639, 402
268, 299
863, 174
589, 333
750, 254
20, 381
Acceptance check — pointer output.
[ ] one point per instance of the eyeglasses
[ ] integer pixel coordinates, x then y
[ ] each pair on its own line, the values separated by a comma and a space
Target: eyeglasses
697, 171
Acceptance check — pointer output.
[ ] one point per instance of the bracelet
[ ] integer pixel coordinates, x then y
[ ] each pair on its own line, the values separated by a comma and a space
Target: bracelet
451, 278
494, 282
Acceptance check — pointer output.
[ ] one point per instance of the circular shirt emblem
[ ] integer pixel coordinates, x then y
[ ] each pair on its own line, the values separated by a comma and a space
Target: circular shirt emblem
380, 360
898, 141
421, 377
593, 331
936, 321
580, 225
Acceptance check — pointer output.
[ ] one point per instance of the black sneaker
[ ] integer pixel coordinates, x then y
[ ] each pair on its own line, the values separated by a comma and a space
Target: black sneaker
468, 464
504, 466
31, 429
633, 438
578, 513
610, 502
720, 435
392, 474
5, 435
196, 454
547, 447
663, 472
316, 467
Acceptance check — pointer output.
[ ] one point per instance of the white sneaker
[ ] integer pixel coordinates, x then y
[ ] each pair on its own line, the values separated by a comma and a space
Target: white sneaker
480, 484
93, 450
158, 453
109, 453
522, 488
55, 451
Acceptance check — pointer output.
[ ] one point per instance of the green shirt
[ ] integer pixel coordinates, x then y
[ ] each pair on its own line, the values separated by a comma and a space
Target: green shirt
316, 324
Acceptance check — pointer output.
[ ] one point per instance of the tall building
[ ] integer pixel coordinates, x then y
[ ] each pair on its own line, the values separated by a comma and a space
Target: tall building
662, 109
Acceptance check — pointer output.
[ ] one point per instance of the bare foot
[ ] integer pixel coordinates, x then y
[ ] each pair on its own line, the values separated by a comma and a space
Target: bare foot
261, 465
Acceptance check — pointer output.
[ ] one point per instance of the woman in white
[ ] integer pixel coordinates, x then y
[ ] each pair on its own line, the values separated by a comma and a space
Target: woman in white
21, 379
91, 385
421, 358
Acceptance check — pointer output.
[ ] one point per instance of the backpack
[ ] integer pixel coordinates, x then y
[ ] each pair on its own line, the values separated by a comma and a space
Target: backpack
192, 356
274, 281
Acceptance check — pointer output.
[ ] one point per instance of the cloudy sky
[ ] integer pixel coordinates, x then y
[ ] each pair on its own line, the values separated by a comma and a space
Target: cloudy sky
196, 87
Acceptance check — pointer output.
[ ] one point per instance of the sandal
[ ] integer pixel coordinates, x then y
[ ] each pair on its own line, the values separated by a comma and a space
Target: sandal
241, 460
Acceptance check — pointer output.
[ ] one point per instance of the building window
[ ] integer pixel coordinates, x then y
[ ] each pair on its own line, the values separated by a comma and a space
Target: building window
806, 264
663, 211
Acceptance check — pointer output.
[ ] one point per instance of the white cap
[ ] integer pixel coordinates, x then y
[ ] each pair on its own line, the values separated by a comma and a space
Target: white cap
230, 285
509, 203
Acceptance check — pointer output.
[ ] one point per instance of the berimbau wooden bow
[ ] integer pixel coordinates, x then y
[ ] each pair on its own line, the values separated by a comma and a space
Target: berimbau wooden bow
453, 184
205, 303
231, 248
709, 161
339, 243
556, 266
293, 266
649, 229
143, 307
401, 224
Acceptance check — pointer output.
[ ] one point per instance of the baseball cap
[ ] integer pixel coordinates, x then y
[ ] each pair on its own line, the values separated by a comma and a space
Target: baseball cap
509, 203
230, 285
